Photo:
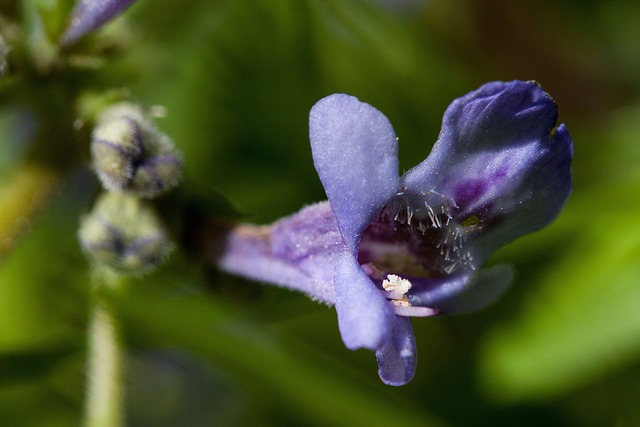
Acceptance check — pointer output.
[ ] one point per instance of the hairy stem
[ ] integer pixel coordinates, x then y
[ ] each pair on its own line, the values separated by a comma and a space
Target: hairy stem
105, 390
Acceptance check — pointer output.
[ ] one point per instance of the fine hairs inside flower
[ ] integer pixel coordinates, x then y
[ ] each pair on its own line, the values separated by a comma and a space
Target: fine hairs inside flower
416, 236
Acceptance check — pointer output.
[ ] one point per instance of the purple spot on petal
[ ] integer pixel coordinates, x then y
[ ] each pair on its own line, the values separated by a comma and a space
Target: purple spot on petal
470, 191
500, 173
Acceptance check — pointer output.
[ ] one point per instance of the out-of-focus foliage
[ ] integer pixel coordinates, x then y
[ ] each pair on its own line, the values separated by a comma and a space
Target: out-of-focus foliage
237, 80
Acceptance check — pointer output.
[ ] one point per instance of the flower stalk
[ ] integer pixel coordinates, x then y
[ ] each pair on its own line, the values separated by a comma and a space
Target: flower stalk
104, 387
124, 238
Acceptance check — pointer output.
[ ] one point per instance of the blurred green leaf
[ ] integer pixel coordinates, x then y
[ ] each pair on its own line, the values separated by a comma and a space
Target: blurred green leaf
38, 301
297, 380
29, 366
34, 405
582, 322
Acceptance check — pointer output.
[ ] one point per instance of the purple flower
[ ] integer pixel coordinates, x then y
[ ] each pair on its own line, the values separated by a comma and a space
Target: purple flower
88, 15
388, 247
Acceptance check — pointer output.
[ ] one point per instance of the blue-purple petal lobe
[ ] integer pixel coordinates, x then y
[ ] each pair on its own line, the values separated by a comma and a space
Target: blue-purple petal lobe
541, 195
88, 15
397, 359
462, 293
495, 117
355, 153
364, 315
502, 159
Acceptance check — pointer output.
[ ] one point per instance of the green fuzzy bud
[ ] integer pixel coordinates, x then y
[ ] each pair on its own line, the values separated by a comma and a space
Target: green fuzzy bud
125, 233
131, 155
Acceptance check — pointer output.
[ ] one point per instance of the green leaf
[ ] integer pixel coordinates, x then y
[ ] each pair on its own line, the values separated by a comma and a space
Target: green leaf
43, 283
295, 379
581, 323
32, 365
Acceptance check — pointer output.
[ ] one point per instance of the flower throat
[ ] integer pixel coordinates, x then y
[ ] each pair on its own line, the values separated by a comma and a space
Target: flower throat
416, 235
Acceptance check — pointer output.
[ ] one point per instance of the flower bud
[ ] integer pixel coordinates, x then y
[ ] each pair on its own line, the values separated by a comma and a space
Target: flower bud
125, 233
130, 155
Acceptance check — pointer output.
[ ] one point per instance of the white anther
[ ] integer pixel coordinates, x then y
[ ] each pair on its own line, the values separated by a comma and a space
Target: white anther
396, 284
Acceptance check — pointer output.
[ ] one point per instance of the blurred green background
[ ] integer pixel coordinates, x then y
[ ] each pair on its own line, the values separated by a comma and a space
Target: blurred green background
237, 79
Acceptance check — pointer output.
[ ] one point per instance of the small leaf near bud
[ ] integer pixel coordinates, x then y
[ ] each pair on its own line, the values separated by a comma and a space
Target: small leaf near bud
125, 233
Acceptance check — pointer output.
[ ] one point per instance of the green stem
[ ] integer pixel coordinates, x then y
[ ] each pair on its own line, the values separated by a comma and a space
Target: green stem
105, 390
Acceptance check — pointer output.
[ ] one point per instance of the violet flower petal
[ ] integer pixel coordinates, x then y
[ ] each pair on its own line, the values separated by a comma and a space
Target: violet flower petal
542, 193
88, 15
355, 153
364, 315
496, 116
501, 157
398, 358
